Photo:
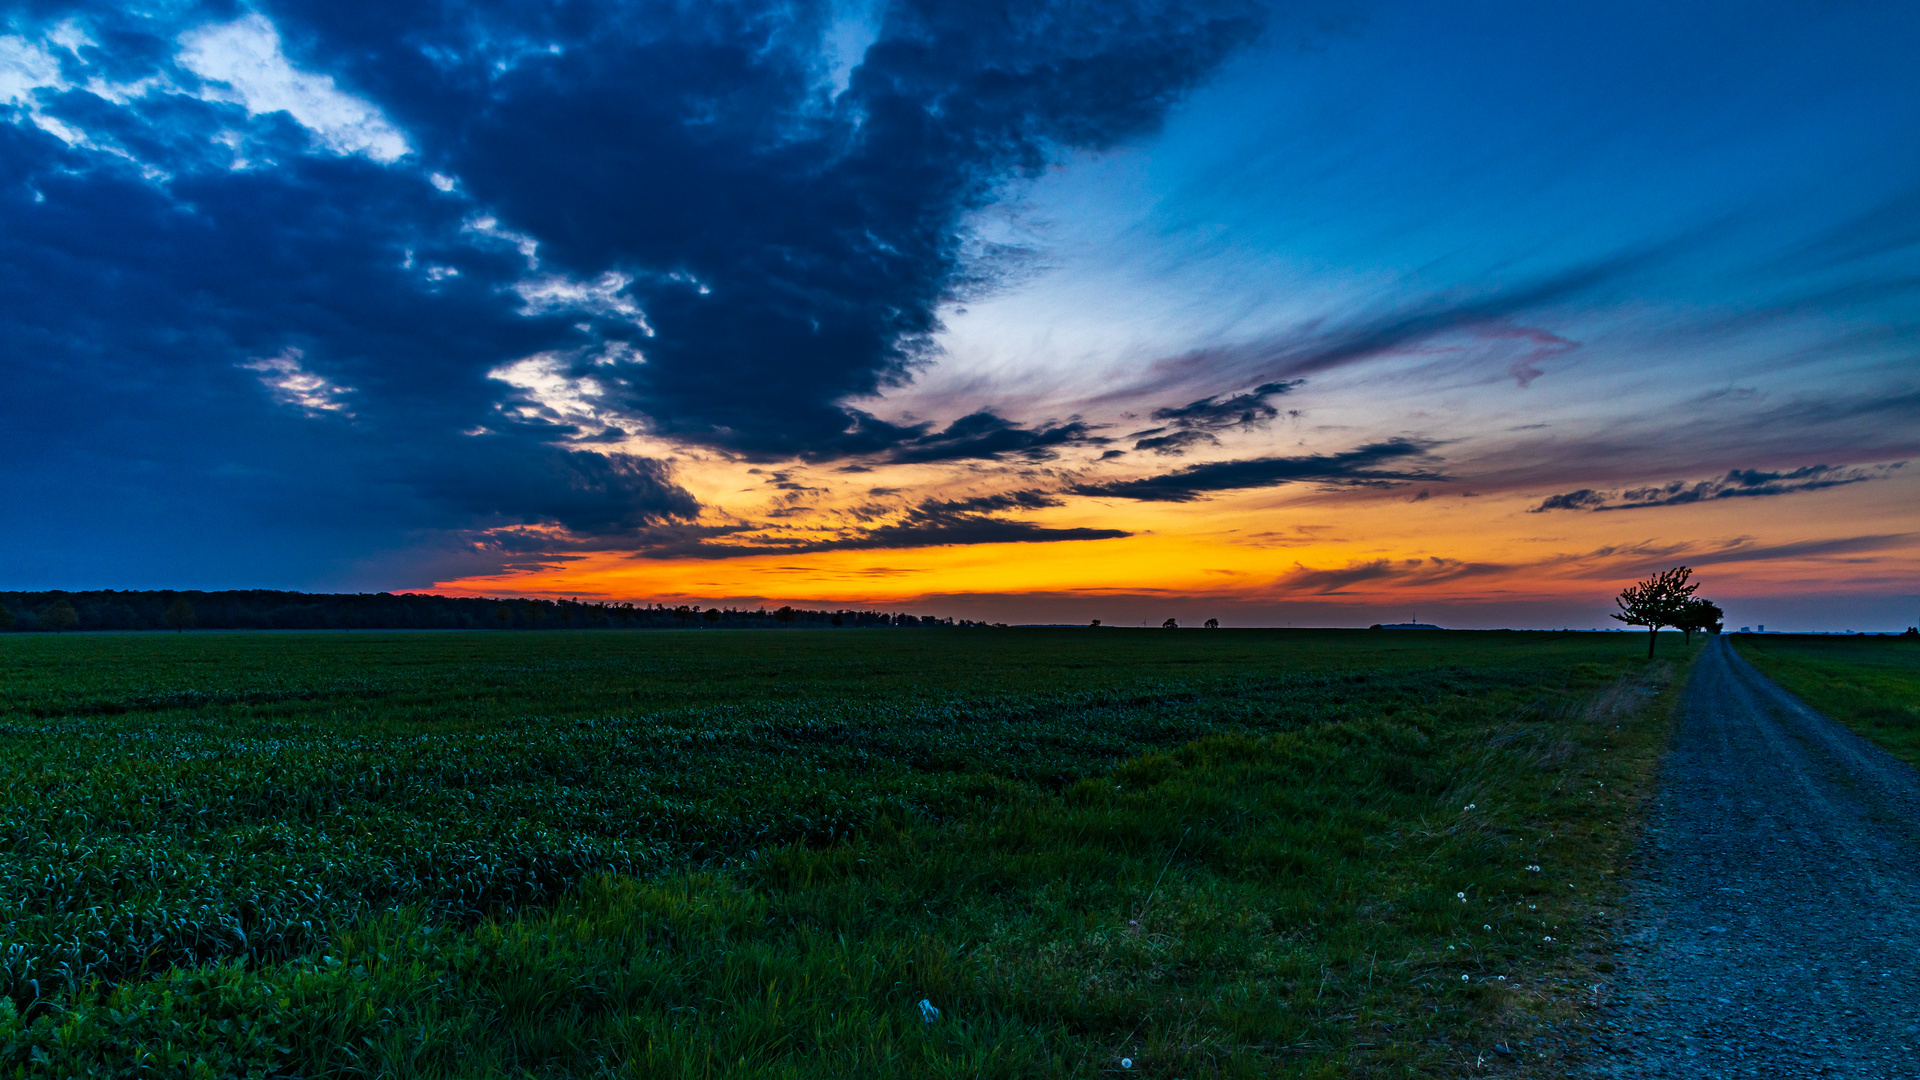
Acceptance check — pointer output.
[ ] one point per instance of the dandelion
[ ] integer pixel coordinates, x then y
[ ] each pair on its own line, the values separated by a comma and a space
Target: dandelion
1489, 926
1462, 896
1126, 1063
1463, 978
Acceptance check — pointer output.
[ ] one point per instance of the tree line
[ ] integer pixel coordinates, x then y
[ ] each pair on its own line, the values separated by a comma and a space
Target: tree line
267, 609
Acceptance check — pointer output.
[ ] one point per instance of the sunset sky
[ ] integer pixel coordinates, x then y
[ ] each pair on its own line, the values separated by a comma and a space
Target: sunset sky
1284, 314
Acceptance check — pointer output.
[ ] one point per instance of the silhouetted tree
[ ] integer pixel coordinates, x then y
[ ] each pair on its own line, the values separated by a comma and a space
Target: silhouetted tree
1170, 624
59, 616
712, 615
1213, 624
1660, 600
1094, 625
179, 616
783, 616
837, 620
1699, 614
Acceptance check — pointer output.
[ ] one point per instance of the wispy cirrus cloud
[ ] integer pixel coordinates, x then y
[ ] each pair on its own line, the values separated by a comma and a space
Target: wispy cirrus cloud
1736, 484
1430, 570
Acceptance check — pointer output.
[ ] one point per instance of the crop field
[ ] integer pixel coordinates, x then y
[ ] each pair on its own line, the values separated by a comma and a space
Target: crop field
922, 853
1870, 684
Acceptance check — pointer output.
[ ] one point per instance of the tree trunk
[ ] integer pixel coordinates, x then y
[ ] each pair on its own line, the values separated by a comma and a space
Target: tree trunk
1653, 634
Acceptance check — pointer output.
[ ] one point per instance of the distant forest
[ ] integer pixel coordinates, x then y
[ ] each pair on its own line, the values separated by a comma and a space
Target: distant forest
265, 609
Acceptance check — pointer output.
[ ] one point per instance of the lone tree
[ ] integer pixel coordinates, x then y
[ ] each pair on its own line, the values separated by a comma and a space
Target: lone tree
1659, 601
1213, 624
1170, 624
59, 616
179, 616
1702, 615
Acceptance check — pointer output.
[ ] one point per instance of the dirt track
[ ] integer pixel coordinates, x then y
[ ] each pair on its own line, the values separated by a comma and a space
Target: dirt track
1776, 914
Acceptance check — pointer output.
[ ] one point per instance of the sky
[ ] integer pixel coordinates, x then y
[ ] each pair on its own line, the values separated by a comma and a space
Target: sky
1032, 311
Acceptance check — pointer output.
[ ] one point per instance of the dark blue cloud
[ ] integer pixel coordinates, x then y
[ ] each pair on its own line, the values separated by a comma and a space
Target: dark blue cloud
729, 247
1361, 466
1736, 484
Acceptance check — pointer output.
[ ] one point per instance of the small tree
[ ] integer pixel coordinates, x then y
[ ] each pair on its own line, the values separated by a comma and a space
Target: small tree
712, 615
179, 616
783, 616
59, 616
1170, 624
1699, 614
1094, 625
1213, 624
1660, 600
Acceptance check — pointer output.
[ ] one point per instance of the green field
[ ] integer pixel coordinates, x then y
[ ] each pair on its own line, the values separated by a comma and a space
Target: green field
1870, 684
754, 854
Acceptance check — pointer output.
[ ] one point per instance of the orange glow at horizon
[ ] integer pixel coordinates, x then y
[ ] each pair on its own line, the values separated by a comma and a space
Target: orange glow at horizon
1342, 548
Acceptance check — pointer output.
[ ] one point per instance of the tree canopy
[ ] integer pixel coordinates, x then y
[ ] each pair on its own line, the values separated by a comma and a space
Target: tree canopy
1661, 600
1699, 614
59, 616
180, 615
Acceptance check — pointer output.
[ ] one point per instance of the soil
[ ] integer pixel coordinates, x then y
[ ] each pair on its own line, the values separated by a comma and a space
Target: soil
1775, 915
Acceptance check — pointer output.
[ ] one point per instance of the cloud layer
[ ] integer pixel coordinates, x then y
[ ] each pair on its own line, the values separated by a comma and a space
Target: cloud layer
1736, 484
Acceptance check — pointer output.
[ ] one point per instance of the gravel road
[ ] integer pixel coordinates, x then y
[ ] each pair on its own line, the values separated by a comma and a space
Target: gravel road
1776, 911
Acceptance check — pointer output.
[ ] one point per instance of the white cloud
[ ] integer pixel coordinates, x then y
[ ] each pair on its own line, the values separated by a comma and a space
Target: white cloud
491, 228
549, 392
292, 384
602, 296
27, 68
24, 68
245, 56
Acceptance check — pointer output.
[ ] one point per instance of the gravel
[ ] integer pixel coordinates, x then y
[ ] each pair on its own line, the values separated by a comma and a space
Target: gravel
1776, 910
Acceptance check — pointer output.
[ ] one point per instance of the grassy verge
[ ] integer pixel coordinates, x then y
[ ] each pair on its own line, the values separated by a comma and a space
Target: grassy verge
1870, 684
1127, 854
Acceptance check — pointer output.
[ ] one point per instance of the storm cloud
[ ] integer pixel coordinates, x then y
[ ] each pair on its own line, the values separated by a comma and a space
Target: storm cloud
412, 268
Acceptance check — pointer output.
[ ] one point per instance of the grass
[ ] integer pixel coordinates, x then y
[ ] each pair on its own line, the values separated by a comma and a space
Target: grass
1252, 853
1870, 684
